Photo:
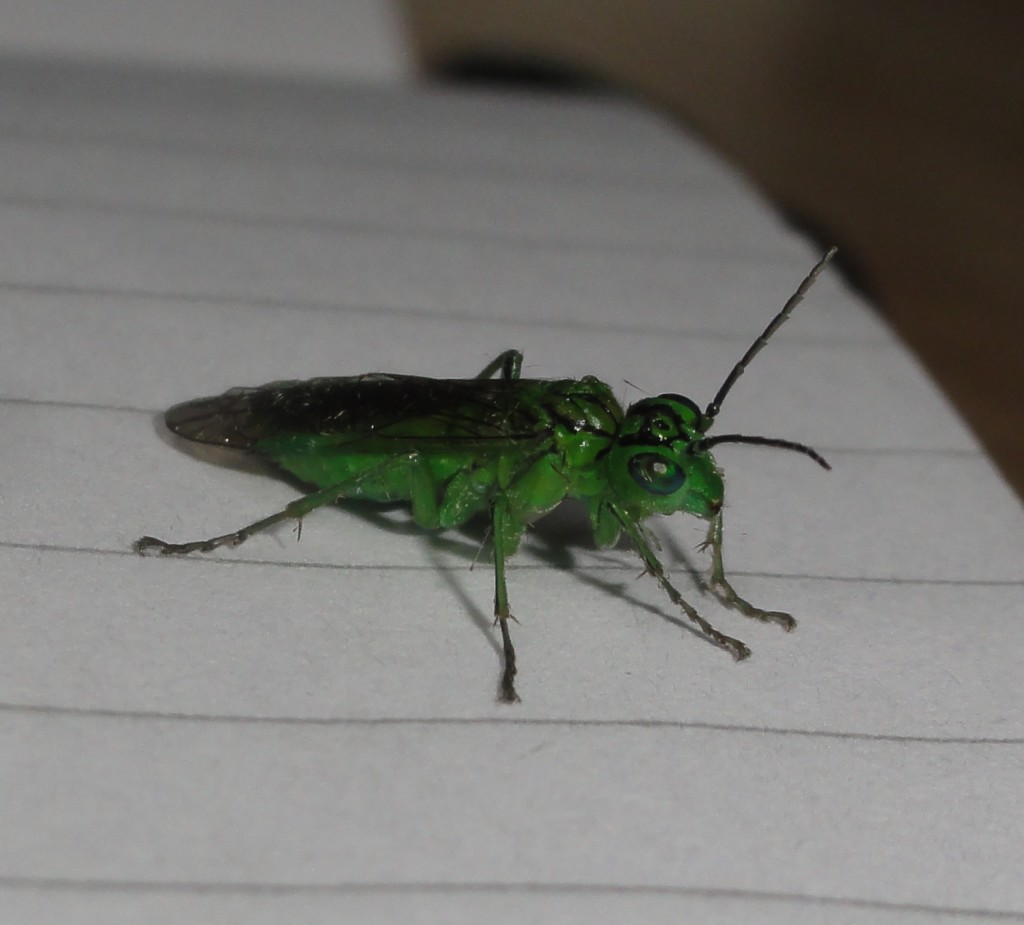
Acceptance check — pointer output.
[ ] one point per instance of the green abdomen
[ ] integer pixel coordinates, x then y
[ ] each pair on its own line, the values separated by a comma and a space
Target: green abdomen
378, 477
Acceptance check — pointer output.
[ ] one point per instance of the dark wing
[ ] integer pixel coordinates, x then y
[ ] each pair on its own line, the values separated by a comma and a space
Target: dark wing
372, 413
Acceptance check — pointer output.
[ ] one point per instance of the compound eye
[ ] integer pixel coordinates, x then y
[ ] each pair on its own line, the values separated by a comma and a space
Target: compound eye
660, 476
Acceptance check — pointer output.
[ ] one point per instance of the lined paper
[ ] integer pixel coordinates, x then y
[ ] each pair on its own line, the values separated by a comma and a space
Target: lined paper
306, 731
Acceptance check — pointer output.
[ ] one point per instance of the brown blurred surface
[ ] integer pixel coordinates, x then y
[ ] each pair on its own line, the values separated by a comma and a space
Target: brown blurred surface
894, 129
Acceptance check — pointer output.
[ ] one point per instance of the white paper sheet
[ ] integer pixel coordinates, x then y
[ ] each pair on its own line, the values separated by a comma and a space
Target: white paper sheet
306, 731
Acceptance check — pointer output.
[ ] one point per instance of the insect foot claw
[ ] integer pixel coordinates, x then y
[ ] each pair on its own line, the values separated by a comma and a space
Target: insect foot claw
725, 593
740, 651
785, 620
735, 647
145, 544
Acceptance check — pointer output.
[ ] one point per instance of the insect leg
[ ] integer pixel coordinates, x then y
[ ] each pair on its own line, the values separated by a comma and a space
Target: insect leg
655, 568
299, 508
725, 592
509, 364
499, 518
423, 493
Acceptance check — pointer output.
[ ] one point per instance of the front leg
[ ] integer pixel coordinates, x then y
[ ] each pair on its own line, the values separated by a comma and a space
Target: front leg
654, 568
725, 592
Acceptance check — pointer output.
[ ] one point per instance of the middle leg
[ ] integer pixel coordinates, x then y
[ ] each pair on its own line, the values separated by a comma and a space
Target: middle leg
509, 364
499, 525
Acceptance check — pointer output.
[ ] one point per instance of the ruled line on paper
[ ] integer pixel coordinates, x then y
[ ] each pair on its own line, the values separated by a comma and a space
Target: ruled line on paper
370, 163
521, 240
243, 719
627, 566
264, 888
397, 311
480, 167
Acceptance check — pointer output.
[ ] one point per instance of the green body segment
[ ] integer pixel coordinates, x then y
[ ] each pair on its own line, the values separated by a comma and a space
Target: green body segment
447, 469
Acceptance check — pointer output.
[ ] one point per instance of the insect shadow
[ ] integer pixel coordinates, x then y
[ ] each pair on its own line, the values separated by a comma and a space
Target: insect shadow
566, 528
554, 539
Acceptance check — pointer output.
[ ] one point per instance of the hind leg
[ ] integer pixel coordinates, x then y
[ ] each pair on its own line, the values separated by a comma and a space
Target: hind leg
294, 511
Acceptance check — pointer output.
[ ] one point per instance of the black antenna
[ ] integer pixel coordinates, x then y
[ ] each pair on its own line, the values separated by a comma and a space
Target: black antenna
755, 348
708, 442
